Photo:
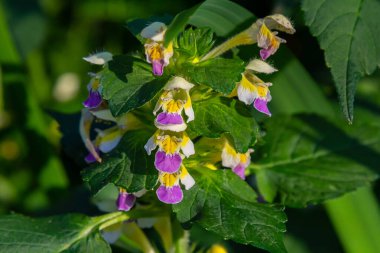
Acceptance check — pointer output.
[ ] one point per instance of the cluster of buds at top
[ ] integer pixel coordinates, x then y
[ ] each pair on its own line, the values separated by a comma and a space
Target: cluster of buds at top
172, 141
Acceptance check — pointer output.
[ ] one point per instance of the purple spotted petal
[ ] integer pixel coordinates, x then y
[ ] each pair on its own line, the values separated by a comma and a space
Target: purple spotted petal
240, 171
170, 195
166, 162
90, 158
261, 106
125, 201
158, 67
94, 99
169, 118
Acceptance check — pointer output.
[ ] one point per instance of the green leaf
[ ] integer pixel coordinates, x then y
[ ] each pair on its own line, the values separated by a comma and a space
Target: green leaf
220, 74
222, 16
65, 233
195, 42
224, 204
127, 166
309, 159
128, 83
217, 116
347, 31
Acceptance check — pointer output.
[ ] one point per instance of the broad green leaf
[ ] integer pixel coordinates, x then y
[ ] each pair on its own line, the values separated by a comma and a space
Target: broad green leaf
309, 159
220, 74
222, 16
127, 166
224, 204
128, 83
217, 116
65, 233
348, 32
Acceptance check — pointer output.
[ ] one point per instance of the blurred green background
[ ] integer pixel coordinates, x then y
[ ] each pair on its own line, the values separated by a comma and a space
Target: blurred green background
43, 76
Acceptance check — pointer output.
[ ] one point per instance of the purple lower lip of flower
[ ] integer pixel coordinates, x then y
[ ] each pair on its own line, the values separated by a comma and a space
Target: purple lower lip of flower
90, 158
169, 118
240, 171
261, 106
125, 201
265, 53
170, 195
94, 99
167, 162
158, 67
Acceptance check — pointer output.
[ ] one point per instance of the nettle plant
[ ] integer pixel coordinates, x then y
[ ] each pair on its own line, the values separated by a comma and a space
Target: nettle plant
186, 138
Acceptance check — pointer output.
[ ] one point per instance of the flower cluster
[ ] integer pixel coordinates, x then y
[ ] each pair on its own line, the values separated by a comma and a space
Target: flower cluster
172, 141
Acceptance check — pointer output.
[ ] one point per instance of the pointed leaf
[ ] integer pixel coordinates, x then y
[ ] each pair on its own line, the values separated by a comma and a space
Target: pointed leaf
128, 83
348, 32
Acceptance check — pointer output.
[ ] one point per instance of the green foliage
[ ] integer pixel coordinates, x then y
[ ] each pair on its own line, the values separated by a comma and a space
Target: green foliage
220, 74
347, 31
66, 233
222, 16
194, 43
221, 115
222, 203
127, 166
318, 159
128, 83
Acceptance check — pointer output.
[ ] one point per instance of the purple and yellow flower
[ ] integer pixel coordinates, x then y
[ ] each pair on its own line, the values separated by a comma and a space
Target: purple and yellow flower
174, 99
252, 89
155, 52
238, 162
168, 157
170, 191
268, 41
125, 201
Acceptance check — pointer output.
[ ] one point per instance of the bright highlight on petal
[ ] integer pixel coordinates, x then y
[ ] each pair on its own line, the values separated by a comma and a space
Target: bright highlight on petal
100, 58
260, 67
155, 31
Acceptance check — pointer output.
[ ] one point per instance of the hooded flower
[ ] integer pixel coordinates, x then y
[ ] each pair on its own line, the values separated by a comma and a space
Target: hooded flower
252, 89
173, 101
168, 158
238, 162
94, 87
170, 191
155, 52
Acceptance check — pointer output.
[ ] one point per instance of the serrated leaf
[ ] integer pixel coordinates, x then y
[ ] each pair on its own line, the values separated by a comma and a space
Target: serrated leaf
128, 83
309, 159
347, 31
65, 233
195, 42
222, 16
224, 204
220, 74
217, 116
127, 166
